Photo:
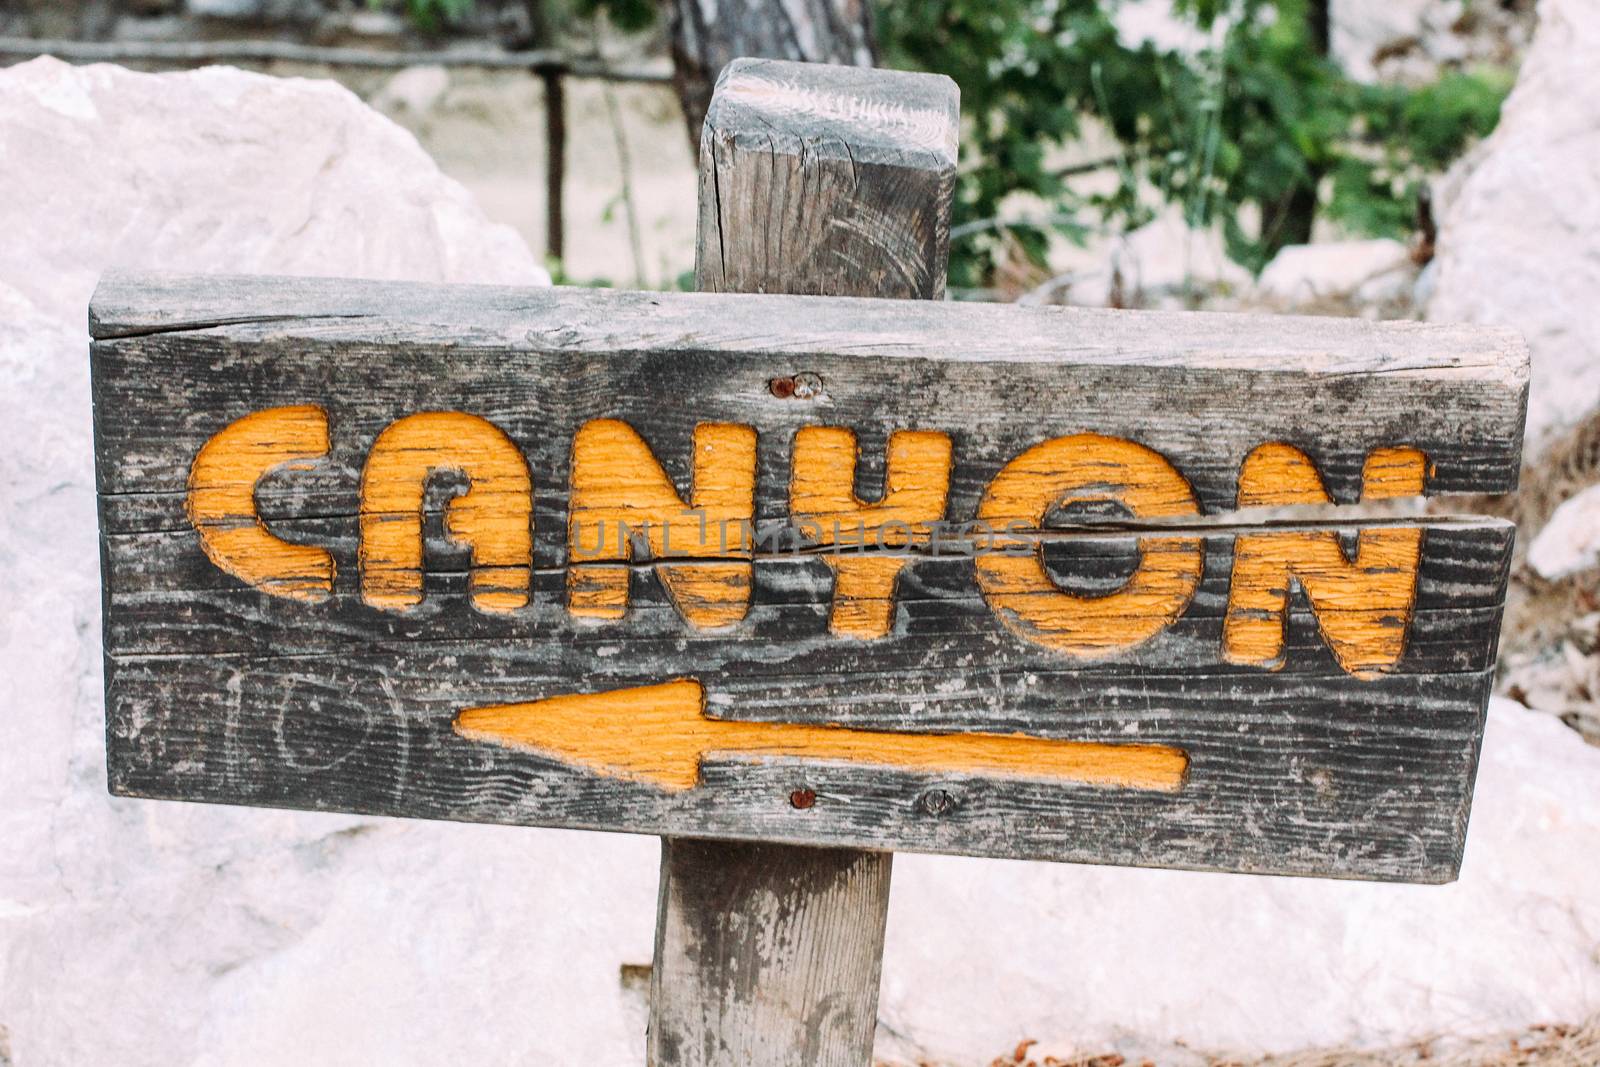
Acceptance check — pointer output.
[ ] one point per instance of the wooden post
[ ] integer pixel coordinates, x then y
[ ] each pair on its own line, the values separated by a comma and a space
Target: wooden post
813, 180
555, 158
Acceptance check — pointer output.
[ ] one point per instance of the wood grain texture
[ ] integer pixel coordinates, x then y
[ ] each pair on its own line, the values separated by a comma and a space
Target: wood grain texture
1202, 390
707, 35
721, 901
212, 681
826, 179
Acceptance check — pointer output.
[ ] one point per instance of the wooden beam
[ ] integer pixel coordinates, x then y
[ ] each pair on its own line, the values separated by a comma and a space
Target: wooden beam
314, 679
555, 162
222, 686
812, 180
198, 53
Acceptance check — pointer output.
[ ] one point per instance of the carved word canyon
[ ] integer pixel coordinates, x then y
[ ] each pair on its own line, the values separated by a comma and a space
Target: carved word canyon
989, 580
622, 504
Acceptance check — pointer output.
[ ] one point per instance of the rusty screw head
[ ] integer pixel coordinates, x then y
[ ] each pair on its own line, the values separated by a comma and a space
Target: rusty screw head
802, 386
937, 802
807, 385
802, 798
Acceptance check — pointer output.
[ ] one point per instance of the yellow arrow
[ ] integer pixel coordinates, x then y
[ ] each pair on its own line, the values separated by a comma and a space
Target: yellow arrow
659, 734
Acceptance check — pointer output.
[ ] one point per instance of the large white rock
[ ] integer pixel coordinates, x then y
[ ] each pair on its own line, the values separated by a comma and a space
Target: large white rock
146, 933
221, 170
1363, 29
1372, 270
1570, 541
1161, 264
1517, 246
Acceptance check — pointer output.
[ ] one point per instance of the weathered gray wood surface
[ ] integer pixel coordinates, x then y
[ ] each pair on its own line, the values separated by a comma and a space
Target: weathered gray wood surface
1202, 389
707, 37
827, 180
764, 956
219, 692
838, 182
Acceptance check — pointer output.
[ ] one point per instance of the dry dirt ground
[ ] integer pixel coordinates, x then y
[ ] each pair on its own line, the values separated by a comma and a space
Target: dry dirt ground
1542, 1046
486, 130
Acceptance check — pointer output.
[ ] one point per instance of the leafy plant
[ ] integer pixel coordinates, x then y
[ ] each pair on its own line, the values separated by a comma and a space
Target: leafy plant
431, 15
1256, 130
630, 16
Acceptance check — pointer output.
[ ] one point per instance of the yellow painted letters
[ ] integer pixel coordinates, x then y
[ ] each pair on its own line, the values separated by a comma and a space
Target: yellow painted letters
622, 500
494, 515
222, 506
618, 489
1081, 468
1362, 606
822, 494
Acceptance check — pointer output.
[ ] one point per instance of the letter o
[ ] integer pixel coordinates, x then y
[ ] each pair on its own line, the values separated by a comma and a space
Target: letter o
1088, 467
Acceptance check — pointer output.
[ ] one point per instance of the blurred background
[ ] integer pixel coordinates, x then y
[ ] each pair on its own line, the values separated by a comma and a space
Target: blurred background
1259, 123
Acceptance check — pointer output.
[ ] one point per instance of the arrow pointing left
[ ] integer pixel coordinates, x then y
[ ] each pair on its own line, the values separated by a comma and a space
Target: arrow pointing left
660, 734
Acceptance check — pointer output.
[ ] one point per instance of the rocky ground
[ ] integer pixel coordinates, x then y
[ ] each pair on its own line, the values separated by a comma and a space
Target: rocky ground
148, 933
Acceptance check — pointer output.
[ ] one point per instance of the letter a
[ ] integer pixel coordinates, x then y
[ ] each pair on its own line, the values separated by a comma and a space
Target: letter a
494, 515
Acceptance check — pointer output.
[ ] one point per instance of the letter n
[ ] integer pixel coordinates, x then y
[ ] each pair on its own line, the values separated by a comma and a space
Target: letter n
1362, 605
616, 482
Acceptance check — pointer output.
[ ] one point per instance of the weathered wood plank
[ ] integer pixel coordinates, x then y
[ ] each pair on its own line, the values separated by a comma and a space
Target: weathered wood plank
826, 179
167, 598
181, 358
1287, 774
944, 662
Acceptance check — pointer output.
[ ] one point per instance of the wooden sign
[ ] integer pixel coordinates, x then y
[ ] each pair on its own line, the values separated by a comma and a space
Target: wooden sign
884, 574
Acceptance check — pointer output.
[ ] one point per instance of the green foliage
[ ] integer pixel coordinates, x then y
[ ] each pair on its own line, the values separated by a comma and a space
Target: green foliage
629, 16
430, 16
1253, 131
1246, 131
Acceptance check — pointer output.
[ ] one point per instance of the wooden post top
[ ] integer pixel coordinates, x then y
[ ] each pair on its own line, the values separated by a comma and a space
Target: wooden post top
895, 118
819, 180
